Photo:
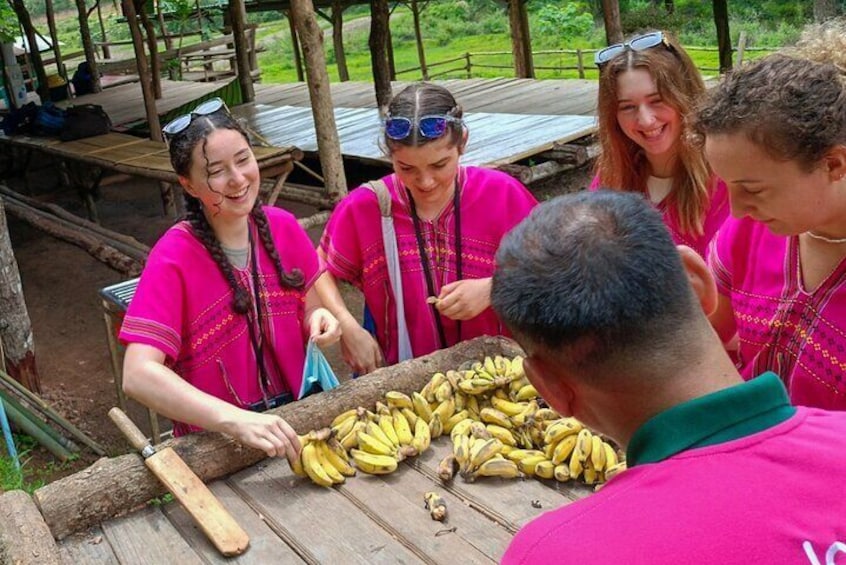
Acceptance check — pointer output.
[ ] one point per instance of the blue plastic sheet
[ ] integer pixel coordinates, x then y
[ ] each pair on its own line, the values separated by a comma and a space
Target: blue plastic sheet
317, 373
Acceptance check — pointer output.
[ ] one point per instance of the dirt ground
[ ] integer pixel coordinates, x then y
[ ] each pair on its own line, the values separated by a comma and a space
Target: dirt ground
61, 283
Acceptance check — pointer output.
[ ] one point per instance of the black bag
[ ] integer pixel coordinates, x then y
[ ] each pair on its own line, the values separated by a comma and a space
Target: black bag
50, 120
82, 79
85, 120
20, 120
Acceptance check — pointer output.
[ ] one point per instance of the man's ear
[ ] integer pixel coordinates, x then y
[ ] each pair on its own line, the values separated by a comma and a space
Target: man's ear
700, 278
551, 383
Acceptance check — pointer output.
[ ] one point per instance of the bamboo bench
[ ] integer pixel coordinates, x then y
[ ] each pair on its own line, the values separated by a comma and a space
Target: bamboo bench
84, 162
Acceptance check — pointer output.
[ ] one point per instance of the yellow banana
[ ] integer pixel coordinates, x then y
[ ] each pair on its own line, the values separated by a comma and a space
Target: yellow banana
560, 429
502, 434
527, 392
563, 449
472, 406
503, 365
547, 415
333, 472
475, 386
561, 473
478, 430
386, 422
517, 369
343, 416
453, 377
460, 400
402, 427
422, 436
335, 446
421, 406
590, 475
297, 466
351, 439
611, 458
445, 410
454, 420
436, 427
396, 399
410, 416
373, 464
374, 430
313, 467
344, 427
461, 449
527, 414
528, 464
489, 365
372, 445
482, 451
495, 467
615, 470
436, 381
583, 445
518, 454
506, 406
443, 392
494, 416
545, 469
462, 427
575, 466
597, 453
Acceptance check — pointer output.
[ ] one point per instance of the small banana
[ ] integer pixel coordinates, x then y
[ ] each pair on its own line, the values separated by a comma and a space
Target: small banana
475, 386
443, 392
584, 443
343, 416
478, 430
312, 466
490, 366
422, 436
481, 451
527, 465
410, 416
435, 505
502, 434
461, 449
517, 369
615, 470
436, 381
436, 427
563, 449
590, 475
421, 406
454, 420
447, 468
344, 427
386, 422
372, 445
374, 430
527, 414
527, 392
561, 473
494, 416
396, 399
545, 469
518, 454
402, 427
462, 427
445, 410
611, 458
562, 428
472, 406
330, 469
351, 439
495, 467
506, 406
373, 464
575, 467
547, 415
597, 453
453, 377
460, 399
296, 465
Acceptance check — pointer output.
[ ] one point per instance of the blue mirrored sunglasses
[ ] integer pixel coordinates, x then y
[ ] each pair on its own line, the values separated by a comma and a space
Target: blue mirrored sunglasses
639, 43
180, 123
430, 127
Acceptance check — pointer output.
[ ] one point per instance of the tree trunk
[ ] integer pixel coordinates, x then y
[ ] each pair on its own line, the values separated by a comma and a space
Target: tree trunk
15, 327
143, 71
825, 10
242, 51
88, 45
153, 48
328, 143
421, 53
613, 27
36, 65
295, 45
521, 41
338, 40
157, 5
54, 38
379, 53
116, 485
721, 20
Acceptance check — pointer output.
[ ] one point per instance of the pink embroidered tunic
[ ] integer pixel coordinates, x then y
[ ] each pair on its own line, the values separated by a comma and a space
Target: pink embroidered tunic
782, 327
717, 212
491, 204
183, 307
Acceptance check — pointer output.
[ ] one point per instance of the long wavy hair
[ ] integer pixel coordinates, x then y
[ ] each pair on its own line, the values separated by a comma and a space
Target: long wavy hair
623, 164
181, 158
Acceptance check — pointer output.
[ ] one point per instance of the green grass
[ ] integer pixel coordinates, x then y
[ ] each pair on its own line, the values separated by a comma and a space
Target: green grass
12, 478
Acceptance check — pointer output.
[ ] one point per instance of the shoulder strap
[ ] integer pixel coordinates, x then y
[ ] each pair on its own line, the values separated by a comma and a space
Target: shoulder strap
380, 189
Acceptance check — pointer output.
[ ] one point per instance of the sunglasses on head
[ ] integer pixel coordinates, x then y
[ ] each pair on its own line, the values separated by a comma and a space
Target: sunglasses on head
181, 123
430, 127
639, 43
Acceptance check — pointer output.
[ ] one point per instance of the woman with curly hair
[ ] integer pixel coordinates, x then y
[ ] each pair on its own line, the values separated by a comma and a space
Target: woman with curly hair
217, 328
775, 131
648, 87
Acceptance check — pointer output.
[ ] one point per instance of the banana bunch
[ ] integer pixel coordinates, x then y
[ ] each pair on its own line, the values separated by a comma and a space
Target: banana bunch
323, 459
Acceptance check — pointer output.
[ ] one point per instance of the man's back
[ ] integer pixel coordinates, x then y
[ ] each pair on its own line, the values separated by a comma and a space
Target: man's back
776, 496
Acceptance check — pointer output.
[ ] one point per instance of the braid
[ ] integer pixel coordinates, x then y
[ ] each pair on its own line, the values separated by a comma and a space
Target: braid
195, 216
294, 279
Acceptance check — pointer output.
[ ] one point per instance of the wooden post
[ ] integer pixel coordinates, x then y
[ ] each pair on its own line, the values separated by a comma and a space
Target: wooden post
54, 38
741, 47
242, 56
153, 48
378, 53
580, 63
613, 26
143, 71
328, 143
418, 37
87, 44
521, 42
295, 44
15, 326
338, 40
35, 57
469, 65
107, 52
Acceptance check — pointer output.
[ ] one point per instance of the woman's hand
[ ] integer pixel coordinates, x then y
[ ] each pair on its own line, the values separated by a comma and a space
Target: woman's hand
464, 299
266, 432
324, 328
360, 350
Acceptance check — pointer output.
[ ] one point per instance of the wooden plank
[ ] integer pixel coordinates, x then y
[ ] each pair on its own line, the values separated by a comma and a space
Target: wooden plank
321, 524
265, 545
512, 503
88, 547
396, 502
24, 536
146, 536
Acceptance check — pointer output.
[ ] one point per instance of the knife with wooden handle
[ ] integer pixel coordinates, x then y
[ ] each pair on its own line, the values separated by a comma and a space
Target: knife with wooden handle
186, 487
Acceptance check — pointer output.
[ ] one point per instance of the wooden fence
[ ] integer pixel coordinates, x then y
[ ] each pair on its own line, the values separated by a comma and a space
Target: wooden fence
555, 61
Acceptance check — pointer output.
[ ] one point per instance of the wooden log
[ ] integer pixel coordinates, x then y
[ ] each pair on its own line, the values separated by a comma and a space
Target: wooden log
153, 48
379, 16
113, 486
143, 71
521, 42
86, 240
338, 40
87, 44
238, 14
24, 535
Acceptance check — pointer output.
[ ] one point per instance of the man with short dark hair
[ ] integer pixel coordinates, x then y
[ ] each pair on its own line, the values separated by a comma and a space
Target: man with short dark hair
610, 314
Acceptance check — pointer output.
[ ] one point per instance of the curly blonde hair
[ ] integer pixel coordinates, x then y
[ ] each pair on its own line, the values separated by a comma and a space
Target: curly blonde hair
822, 43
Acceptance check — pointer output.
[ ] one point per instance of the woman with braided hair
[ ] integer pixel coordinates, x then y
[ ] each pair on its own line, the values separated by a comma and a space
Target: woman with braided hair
217, 329
448, 221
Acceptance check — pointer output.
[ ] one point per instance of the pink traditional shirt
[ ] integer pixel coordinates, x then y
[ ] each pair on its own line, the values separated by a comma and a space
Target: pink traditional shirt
798, 334
718, 211
183, 307
491, 204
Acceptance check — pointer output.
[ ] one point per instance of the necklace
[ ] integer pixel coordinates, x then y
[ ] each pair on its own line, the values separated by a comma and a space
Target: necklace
825, 239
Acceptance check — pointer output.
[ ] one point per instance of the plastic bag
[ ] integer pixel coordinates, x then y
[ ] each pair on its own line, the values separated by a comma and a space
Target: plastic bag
318, 375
